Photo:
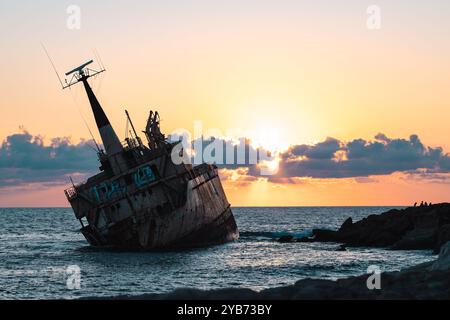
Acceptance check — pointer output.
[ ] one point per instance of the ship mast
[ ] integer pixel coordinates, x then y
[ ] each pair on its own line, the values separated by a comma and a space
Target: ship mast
109, 137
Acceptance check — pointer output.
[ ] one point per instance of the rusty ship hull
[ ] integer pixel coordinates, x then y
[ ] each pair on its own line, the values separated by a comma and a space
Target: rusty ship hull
141, 198
139, 221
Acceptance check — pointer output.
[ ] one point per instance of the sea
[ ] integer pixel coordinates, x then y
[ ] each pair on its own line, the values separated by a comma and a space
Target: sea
44, 256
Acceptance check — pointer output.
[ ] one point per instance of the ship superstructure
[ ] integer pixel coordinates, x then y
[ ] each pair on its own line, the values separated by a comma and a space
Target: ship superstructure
140, 198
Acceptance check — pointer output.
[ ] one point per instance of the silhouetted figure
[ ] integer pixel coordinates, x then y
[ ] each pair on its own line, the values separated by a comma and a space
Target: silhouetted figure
421, 204
430, 204
426, 204
415, 204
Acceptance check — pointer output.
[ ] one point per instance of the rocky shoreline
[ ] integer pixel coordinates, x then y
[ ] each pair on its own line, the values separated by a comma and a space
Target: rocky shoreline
425, 227
414, 228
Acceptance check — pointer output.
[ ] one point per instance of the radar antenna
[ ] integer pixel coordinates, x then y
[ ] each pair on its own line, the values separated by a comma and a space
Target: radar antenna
81, 73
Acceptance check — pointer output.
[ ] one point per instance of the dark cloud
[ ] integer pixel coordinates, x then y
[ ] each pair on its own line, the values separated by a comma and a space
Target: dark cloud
382, 137
361, 158
25, 159
226, 153
322, 150
333, 158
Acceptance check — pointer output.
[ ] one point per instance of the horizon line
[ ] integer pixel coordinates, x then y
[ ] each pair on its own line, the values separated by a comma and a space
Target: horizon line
249, 206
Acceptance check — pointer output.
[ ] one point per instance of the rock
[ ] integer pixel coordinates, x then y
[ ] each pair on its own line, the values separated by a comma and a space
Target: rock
411, 228
323, 235
416, 239
443, 236
341, 248
443, 262
284, 239
347, 224
313, 289
219, 294
278, 293
191, 294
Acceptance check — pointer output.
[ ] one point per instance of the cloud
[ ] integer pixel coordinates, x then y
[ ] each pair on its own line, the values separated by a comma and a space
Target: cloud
238, 177
425, 176
25, 159
322, 150
361, 158
225, 153
332, 158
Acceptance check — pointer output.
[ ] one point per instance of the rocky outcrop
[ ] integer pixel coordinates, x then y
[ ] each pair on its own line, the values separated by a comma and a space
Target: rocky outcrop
443, 262
430, 280
284, 239
426, 227
442, 237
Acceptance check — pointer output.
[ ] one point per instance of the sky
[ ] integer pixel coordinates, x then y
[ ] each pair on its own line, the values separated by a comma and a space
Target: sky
356, 115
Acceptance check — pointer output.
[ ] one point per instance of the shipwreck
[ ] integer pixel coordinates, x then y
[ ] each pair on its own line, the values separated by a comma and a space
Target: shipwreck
140, 199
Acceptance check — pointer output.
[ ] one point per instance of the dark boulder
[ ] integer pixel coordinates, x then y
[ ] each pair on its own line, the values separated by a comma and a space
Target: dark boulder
416, 239
284, 239
411, 228
347, 224
443, 236
323, 235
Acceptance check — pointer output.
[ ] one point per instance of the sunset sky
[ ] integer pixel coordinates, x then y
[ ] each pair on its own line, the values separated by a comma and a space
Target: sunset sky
358, 116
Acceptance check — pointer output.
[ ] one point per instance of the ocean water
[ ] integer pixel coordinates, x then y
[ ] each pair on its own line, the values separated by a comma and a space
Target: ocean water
37, 246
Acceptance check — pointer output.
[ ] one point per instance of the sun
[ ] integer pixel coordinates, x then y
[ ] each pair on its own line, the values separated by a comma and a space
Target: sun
269, 135
266, 122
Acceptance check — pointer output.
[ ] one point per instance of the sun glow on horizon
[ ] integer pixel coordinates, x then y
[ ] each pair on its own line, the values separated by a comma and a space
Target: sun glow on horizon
266, 123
